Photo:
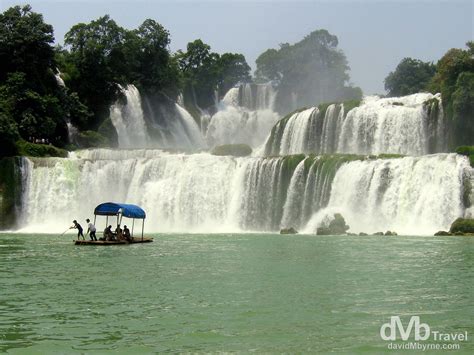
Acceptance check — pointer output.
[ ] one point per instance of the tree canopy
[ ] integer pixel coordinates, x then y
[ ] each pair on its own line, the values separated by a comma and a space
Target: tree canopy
410, 76
311, 71
32, 104
205, 72
453, 77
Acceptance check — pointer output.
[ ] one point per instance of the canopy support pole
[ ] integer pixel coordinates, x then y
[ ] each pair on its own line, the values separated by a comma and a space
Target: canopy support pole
106, 221
95, 217
133, 224
143, 226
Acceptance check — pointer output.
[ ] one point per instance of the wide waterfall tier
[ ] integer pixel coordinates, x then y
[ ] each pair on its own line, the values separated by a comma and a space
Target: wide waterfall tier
153, 122
245, 115
202, 192
411, 125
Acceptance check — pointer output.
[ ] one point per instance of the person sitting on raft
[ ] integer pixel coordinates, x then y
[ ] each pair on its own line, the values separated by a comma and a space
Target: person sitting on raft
126, 234
119, 232
108, 235
79, 229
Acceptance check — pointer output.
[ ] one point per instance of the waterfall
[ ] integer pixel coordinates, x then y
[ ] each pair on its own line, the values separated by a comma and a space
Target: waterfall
179, 192
128, 120
412, 125
413, 195
245, 115
202, 192
165, 124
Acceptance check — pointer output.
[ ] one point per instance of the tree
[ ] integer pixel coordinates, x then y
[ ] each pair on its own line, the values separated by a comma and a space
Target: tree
312, 71
100, 67
205, 72
448, 69
25, 44
410, 76
233, 69
31, 101
147, 53
463, 109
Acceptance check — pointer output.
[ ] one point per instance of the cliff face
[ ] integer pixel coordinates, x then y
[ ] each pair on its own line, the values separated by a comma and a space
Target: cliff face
10, 191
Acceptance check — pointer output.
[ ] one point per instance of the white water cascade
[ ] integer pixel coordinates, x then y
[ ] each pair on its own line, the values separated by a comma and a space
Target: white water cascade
245, 115
128, 120
206, 193
172, 126
412, 125
413, 195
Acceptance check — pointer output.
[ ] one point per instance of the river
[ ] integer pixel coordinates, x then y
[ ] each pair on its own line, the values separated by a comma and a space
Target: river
229, 292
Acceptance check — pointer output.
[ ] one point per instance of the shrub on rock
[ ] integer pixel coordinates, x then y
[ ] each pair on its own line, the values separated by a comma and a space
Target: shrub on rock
462, 225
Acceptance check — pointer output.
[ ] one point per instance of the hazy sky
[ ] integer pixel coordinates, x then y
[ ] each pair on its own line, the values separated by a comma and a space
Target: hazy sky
375, 35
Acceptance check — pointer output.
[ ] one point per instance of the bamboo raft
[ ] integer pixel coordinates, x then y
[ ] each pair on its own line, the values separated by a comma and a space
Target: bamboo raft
118, 210
113, 242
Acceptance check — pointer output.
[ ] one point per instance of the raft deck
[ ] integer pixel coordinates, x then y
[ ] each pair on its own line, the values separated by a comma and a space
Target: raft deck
113, 242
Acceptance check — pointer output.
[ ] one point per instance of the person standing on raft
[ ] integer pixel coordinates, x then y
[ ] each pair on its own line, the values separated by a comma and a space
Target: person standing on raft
79, 229
91, 229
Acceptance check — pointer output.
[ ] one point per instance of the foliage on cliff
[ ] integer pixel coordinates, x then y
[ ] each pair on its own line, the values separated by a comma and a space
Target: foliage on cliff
32, 104
453, 77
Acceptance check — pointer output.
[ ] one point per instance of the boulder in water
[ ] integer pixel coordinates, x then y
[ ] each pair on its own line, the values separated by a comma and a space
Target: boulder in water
389, 233
377, 233
336, 226
362, 234
236, 150
442, 233
288, 231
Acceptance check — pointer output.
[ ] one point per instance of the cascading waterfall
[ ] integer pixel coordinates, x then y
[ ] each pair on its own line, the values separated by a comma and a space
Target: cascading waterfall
169, 124
417, 195
128, 120
412, 125
202, 192
245, 115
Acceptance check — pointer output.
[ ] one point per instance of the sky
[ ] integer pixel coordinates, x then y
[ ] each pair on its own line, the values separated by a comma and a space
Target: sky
374, 35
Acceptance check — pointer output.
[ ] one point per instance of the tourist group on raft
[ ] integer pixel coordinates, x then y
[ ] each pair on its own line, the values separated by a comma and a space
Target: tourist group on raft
118, 235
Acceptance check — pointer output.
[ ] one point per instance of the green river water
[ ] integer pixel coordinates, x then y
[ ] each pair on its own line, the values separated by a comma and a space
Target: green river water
230, 293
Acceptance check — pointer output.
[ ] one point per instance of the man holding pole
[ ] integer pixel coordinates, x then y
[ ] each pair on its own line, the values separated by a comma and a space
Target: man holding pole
91, 229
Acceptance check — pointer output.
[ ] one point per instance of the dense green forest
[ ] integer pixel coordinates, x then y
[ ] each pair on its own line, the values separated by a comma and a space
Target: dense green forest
44, 86
97, 59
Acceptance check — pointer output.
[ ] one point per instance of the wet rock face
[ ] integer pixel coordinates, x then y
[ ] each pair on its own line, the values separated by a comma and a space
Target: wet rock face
10, 192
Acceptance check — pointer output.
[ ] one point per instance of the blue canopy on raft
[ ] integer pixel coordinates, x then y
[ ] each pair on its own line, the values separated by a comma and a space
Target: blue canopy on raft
113, 209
